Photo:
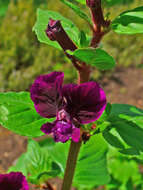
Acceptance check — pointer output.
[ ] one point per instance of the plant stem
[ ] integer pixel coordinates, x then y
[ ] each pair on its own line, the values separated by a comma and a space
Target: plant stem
56, 32
100, 25
71, 164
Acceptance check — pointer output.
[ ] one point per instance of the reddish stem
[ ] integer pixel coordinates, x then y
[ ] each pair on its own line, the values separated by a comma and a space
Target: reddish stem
98, 21
71, 164
55, 32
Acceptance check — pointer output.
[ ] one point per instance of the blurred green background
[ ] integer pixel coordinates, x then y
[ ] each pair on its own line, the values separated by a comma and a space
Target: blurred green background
22, 57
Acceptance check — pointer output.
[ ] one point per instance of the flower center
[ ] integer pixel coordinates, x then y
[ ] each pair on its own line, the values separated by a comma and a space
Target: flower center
63, 115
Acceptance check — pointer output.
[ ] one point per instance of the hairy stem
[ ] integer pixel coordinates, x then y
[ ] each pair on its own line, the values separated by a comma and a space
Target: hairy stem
71, 164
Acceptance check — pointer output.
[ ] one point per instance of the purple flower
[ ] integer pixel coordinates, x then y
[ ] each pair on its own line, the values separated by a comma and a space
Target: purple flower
13, 181
72, 105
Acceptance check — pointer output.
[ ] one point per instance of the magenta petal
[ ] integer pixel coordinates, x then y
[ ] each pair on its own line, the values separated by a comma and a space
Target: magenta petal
85, 102
62, 131
58, 137
13, 181
47, 127
76, 134
46, 93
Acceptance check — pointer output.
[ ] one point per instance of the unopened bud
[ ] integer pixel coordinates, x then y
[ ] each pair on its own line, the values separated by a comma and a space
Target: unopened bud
56, 32
53, 27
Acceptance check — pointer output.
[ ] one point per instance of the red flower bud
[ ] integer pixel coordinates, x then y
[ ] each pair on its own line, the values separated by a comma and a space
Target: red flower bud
55, 32
52, 28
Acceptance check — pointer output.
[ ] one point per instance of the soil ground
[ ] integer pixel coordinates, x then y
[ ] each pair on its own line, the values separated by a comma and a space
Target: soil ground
124, 86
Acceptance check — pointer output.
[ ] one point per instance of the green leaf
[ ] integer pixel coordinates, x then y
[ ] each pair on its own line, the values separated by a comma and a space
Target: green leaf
36, 164
95, 57
42, 22
108, 108
93, 152
102, 126
59, 153
118, 163
112, 139
129, 22
127, 121
130, 133
125, 129
82, 1
3, 7
130, 151
113, 185
128, 113
84, 40
111, 3
36, 159
17, 113
91, 167
19, 166
77, 10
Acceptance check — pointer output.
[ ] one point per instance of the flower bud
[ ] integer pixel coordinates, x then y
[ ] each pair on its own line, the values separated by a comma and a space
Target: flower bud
56, 32
52, 28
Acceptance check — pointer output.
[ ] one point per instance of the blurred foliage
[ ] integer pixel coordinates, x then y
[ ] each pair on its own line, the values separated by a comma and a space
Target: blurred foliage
113, 2
3, 7
22, 57
124, 171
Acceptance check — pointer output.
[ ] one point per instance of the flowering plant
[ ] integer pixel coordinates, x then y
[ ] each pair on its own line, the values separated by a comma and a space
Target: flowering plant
77, 116
72, 105
13, 181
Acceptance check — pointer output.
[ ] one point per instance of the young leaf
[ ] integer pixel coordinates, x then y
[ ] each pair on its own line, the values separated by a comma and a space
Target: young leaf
84, 40
129, 22
42, 22
95, 57
77, 10
17, 113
